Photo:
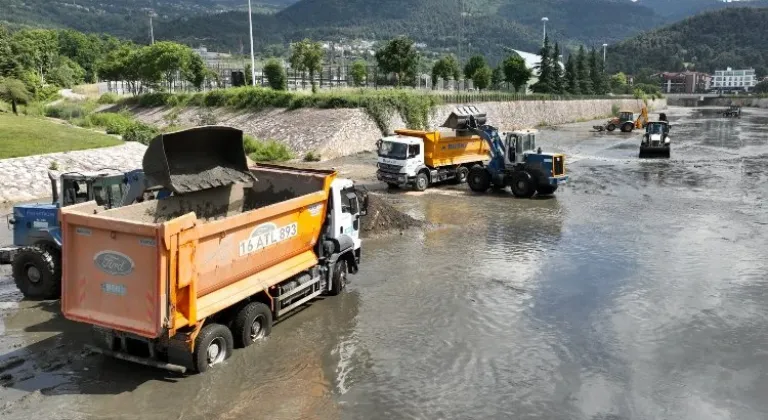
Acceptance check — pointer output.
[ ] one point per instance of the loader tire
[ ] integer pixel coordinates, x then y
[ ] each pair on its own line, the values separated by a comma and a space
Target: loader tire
627, 127
610, 127
339, 278
37, 272
479, 179
252, 323
523, 185
213, 346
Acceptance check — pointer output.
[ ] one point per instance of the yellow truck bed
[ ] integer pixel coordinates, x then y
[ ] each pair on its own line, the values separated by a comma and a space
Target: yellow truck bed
155, 267
446, 150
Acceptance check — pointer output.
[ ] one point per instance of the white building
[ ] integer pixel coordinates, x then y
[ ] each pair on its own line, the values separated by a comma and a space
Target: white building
731, 79
532, 62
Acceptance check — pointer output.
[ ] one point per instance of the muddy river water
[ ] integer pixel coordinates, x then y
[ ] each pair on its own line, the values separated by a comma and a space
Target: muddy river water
640, 291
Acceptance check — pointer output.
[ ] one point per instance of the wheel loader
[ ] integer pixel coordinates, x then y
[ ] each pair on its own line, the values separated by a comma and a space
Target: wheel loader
626, 121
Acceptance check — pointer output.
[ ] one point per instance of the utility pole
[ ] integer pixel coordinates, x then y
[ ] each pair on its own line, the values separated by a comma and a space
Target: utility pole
544, 20
253, 58
604, 47
151, 28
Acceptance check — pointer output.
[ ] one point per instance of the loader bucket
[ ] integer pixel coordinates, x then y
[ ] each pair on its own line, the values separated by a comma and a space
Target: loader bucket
197, 159
654, 152
459, 118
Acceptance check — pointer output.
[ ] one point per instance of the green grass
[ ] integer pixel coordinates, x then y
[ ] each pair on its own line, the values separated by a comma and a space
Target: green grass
26, 136
266, 151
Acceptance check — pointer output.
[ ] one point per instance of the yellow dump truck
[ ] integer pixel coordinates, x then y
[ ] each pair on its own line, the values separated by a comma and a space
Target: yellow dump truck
176, 283
422, 158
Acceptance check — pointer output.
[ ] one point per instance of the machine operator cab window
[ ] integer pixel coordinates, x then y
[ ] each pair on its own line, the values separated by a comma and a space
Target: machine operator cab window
513, 142
413, 150
75, 191
518, 143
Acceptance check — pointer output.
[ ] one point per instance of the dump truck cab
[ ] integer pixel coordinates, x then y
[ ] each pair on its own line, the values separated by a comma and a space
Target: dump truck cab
400, 158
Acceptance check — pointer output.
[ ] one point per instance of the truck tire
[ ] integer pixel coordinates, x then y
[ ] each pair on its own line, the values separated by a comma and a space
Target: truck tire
252, 323
546, 189
37, 272
610, 127
462, 172
523, 185
213, 345
479, 179
339, 278
421, 182
627, 127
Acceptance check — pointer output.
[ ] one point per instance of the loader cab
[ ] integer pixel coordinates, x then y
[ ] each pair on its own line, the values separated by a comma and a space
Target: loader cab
626, 116
106, 189
518, 144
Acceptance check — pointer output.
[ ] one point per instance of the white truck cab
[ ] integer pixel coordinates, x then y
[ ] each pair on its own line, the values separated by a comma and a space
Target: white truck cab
347, 207
400, 158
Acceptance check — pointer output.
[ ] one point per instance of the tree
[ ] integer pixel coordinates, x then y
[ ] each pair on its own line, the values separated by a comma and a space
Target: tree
275, 74
761, 87
36, 49
66, 73
545, 84
582, 73
516, 72
195, 71
15, 92
597, 76
558, 85
359, 73
618, 82
571, 79
482, 77
307, 56
399, 56
475, 63
497, 78
446, 68
9, 65
164, 60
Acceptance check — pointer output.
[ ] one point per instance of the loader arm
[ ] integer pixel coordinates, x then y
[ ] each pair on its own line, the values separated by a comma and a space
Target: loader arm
642, 119
491, 136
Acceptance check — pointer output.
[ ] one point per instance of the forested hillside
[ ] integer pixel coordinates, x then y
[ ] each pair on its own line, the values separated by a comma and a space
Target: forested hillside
679, 9
735, 37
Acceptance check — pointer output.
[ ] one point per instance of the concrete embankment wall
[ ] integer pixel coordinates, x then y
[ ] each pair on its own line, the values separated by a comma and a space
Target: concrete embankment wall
339, 132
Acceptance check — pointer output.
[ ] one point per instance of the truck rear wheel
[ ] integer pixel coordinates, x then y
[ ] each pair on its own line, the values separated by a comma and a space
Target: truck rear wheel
522, 184
479, 179
37, 272
462, 172
339, 278
213, 346
252, 323
422, 182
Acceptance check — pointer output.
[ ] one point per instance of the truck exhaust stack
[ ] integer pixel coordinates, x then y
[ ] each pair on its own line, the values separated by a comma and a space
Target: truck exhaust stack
197, 159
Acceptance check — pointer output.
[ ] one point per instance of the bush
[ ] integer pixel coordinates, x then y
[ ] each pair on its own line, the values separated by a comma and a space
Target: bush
69, 110
266, 151
140, 133
311, 157
615, 109
111, 122
108, 98
206, 117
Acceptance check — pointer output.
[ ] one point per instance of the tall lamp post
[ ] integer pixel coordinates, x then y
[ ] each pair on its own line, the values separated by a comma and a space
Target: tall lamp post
544, 20
604, 47
253, 59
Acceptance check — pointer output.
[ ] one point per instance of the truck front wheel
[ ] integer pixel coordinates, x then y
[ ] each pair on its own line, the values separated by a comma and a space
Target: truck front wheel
37, 272
479, 179
213, 346
421, 183
251, 324
339, 279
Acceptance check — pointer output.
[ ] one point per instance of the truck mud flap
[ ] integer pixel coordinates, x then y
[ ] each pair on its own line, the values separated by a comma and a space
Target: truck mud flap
135, 359
197, 159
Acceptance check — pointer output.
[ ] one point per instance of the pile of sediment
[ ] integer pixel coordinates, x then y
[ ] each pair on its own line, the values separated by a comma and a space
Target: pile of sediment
383, 218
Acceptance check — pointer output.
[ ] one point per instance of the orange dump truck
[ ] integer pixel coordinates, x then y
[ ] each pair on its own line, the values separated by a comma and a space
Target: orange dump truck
422, 158
176, 283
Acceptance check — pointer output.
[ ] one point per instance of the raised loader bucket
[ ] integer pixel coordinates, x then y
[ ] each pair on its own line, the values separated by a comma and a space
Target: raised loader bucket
197, 159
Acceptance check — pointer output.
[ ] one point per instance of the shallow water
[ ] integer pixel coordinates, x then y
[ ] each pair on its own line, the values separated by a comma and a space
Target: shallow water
637, 292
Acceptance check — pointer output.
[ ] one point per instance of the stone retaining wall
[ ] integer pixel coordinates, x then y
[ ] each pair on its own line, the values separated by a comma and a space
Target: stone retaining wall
338, 132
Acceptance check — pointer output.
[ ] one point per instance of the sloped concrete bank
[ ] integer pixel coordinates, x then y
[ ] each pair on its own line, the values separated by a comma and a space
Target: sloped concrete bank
334, 133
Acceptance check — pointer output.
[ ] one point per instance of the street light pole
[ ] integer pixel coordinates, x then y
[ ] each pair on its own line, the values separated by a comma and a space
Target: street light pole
545, 20
253, 59
604, 47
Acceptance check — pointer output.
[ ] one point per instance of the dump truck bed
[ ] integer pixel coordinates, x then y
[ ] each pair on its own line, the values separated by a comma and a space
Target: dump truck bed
441, 149
158, 266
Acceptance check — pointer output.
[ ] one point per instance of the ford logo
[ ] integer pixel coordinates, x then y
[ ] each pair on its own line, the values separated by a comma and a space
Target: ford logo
114, 263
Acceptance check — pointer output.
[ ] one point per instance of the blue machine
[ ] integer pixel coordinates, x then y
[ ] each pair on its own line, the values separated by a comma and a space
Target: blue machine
35, 254
515, 160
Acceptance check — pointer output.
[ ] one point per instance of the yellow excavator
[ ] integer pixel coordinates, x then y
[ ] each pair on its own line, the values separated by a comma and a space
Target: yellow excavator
642, 119
626, 121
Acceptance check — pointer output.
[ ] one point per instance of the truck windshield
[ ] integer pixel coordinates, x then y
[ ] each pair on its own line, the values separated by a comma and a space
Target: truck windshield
392, 150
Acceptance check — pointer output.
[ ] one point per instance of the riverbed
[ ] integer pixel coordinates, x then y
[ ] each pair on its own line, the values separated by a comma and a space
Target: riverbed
637, 292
